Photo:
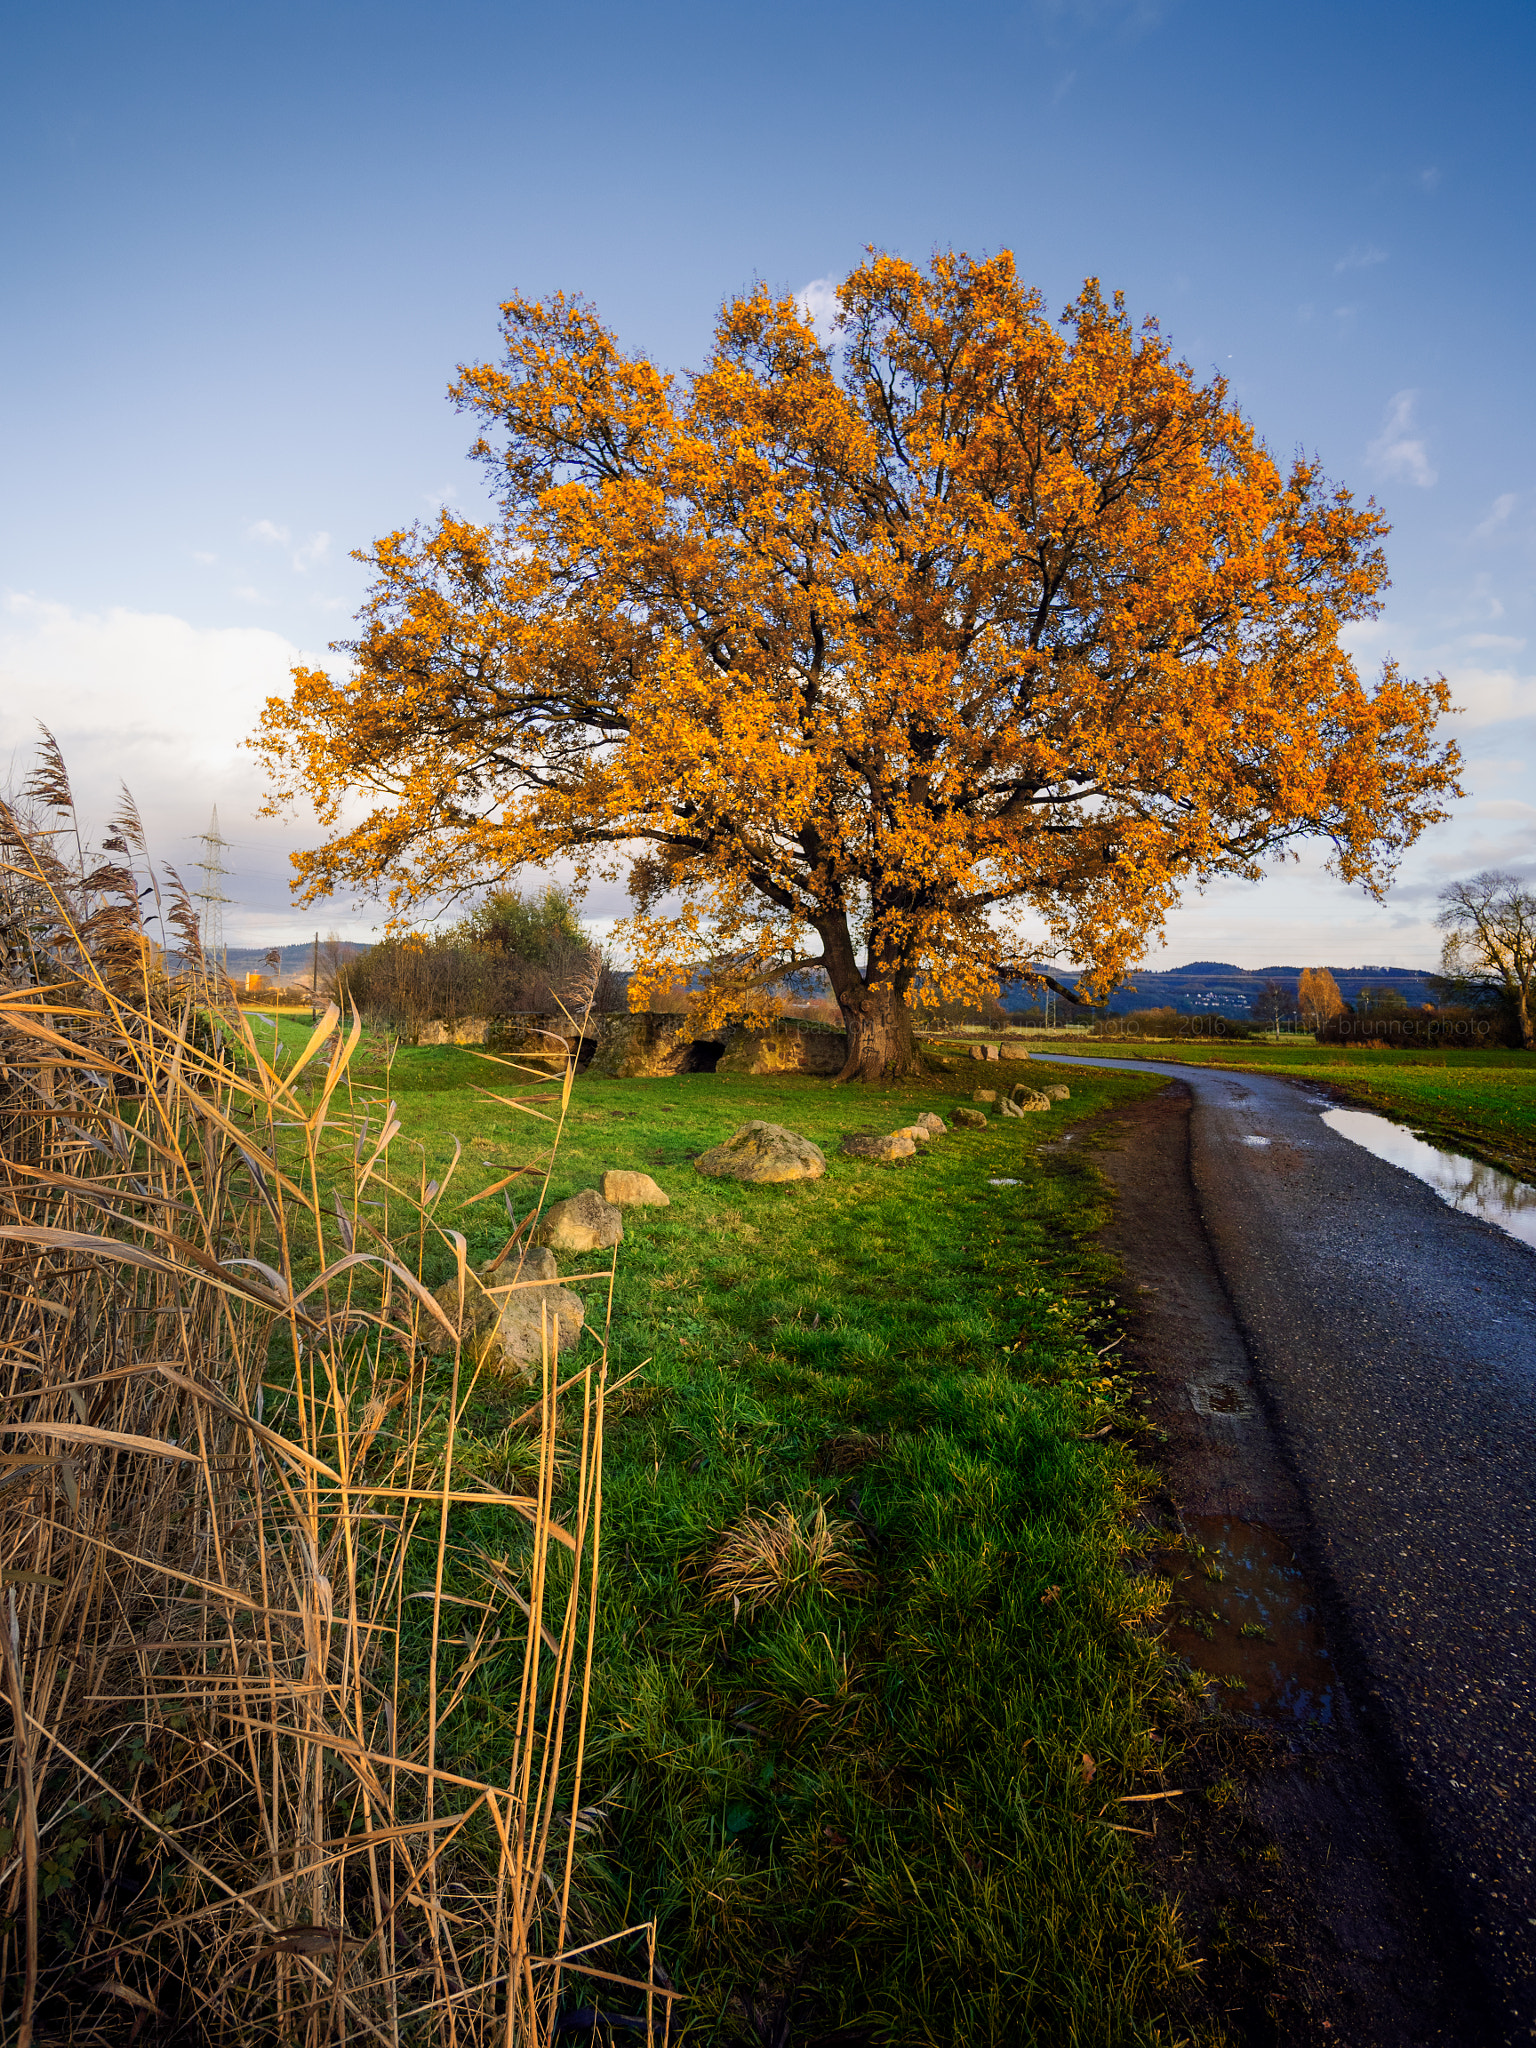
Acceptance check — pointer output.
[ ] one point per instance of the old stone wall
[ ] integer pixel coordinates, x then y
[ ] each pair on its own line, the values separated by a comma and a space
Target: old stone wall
530, 1035
787, 1047
648, 1045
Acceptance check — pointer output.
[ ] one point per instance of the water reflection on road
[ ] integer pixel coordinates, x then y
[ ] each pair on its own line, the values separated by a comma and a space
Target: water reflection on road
1465, 1183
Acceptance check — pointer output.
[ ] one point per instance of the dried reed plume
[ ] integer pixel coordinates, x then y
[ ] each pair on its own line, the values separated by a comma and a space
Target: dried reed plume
244, 1591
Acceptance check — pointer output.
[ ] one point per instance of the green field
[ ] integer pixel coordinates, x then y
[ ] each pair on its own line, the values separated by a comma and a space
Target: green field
1474, 1101
876, 1804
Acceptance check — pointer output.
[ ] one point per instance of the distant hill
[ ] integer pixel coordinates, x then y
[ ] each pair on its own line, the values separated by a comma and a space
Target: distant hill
1217, 987
296, 958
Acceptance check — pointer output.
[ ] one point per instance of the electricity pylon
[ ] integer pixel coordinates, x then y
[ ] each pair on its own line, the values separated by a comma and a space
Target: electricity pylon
211, 898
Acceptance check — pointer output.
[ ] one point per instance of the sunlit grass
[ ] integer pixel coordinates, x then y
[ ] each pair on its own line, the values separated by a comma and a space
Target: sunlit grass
868, 1797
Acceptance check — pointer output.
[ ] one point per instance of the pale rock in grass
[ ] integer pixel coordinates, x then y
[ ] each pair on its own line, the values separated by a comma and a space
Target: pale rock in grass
919, 1133
985, 1095
1058, 1091
1015, 1052
633, 1191
969, 1119
584, 1222
763, 1153
886, 1145
1010, 1107
1025, 1099
931, 1123
501, 1328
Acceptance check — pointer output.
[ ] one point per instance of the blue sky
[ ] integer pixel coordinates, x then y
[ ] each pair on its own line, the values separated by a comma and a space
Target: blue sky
245, 247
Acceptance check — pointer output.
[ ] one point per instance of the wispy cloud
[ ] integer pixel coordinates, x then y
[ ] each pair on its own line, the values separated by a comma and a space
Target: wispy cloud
1361, 256
1498, 516
305, 556
1062, 87
201, 556
1429, 178
1398, 450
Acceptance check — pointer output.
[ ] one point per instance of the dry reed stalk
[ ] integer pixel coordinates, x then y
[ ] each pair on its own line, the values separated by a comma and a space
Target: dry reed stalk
225, 1473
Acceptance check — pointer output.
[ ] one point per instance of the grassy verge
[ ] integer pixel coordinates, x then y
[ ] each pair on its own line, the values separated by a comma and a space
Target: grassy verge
1476, 1101
892, 1808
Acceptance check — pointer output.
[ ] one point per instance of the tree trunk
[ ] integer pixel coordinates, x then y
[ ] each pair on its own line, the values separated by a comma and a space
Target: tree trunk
880, 1043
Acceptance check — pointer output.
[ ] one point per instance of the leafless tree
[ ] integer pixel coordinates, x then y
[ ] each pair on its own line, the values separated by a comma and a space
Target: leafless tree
1490, 928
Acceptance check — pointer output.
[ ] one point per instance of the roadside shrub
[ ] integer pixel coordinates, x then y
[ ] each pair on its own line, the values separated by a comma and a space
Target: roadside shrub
1419, 1029
1171, 1024
403, 983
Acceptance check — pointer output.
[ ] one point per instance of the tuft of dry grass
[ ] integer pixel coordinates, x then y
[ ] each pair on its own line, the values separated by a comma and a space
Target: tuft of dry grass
767, 1558
230, 1513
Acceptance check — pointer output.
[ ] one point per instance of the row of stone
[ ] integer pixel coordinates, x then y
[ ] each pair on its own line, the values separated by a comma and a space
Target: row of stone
509, 1310
515, 1303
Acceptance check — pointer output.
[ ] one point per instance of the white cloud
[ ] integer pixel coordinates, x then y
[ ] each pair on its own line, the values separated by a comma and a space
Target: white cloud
312, 551
206, 560
1429, 178
249, 594
1362, 256
1397, 450
1489, 696
1481, 640
307, 555
150, 700
818, 303
1498, 516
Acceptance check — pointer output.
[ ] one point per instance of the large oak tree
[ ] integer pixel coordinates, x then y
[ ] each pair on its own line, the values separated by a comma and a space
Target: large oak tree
961, 636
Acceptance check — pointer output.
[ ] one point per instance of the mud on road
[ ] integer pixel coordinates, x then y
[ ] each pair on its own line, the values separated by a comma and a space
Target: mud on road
1317, 1881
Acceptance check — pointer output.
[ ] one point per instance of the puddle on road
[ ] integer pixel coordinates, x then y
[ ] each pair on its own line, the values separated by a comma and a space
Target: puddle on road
1465, 1183
1242, 1610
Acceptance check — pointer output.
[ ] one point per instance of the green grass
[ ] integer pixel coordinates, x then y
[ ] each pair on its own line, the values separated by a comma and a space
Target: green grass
878, 1801
1476, 1101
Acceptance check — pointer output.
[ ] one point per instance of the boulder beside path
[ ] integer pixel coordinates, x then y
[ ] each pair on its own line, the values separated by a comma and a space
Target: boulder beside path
584, 1222
506, 1310
633, 1191
879, 1145
763, 1153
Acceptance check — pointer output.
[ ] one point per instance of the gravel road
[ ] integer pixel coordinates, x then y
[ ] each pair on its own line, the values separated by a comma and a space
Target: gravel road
1394, 1341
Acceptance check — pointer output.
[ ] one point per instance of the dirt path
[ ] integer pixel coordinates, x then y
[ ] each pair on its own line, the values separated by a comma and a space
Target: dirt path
1346, 1370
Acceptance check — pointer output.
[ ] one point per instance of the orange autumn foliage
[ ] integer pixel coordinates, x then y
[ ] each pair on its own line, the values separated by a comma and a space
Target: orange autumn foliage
964, 636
